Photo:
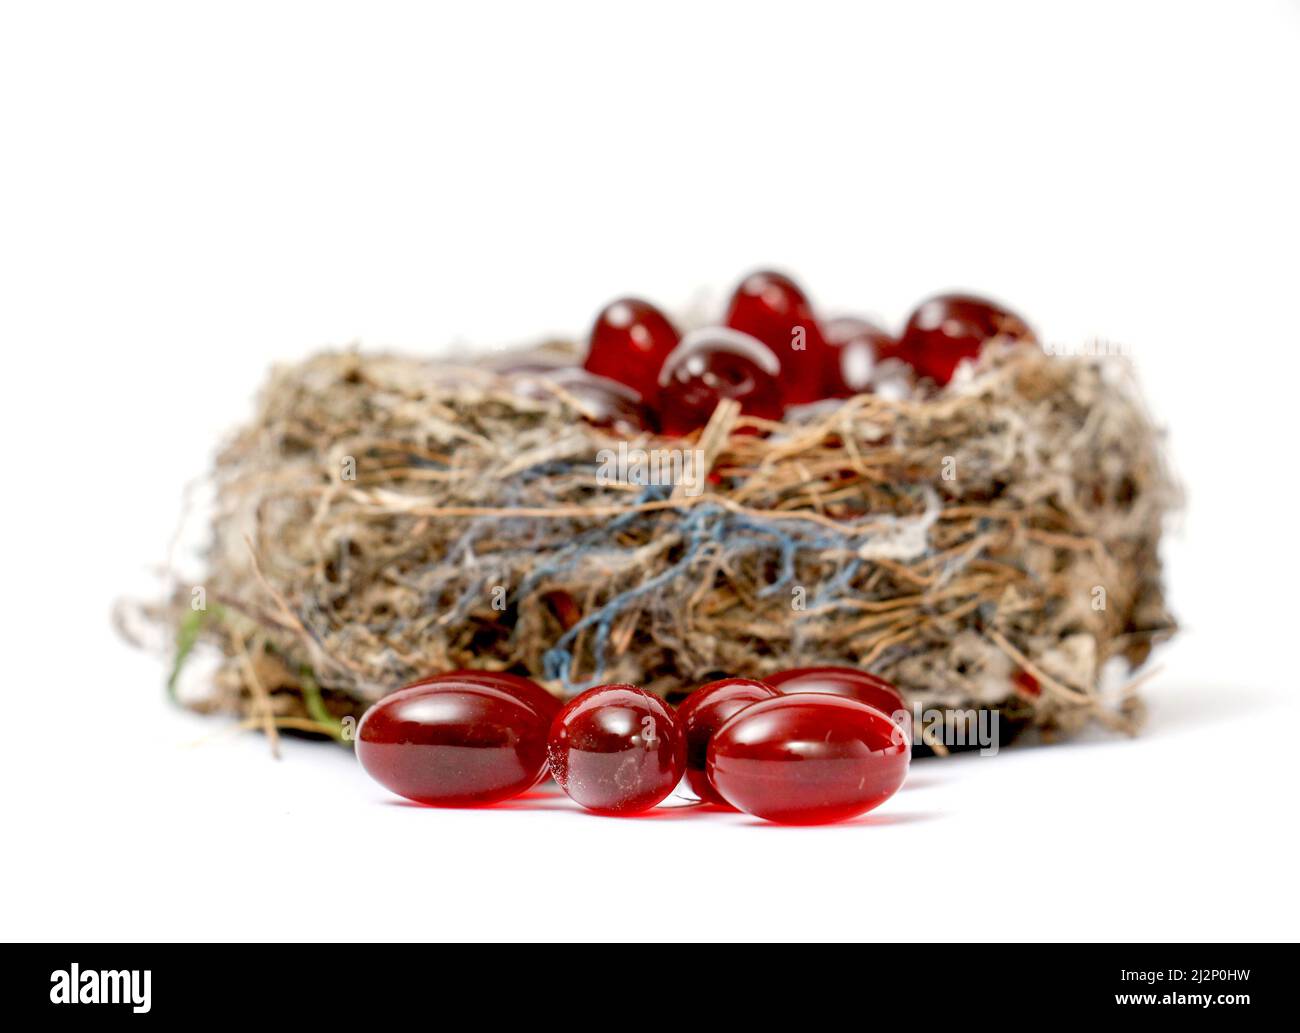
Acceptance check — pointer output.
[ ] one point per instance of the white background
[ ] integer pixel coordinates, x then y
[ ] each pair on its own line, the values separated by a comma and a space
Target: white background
189, 194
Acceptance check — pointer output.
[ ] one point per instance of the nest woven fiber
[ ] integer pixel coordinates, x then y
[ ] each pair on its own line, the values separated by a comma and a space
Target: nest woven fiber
386, 517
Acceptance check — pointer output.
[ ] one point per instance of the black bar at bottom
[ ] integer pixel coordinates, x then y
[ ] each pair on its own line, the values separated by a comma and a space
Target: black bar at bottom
373, 984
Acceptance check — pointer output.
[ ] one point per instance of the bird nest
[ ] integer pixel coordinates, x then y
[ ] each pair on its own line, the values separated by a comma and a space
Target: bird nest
994, 544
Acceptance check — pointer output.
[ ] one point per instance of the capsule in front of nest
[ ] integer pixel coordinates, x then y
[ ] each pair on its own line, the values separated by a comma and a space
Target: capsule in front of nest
458, 740
616, 750
850, 682
808, 759
706, 710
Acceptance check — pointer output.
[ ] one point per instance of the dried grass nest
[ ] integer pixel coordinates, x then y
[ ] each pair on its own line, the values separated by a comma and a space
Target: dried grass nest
383, 517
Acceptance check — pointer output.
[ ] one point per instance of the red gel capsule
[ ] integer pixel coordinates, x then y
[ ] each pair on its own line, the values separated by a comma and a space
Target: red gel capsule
629, 342
616, 749
702, 713
808, 759
948, 328
849, 682
771, 307
710, 365
454, 741
525, 688
858, 347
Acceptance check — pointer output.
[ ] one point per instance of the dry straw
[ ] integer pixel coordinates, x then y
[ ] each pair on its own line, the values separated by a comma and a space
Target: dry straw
385, 517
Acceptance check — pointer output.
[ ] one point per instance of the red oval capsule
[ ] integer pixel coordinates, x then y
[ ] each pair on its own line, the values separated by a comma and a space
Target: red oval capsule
849, 682
858, 348
616, 749
948, 328
771, 307
712, 364
706, 710
456, 741
629, 342
525, 688
531, 693
808, 759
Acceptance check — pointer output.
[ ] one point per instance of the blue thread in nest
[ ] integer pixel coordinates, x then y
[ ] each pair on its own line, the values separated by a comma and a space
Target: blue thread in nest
701, 526
558, 659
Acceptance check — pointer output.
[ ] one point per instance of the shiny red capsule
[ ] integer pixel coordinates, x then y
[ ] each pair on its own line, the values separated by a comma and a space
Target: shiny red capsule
616, 749
858, 347
525, 688
457, 740
629, 342
808, 759
850, 682
710, 365
772, 308
702, 713
948, 328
